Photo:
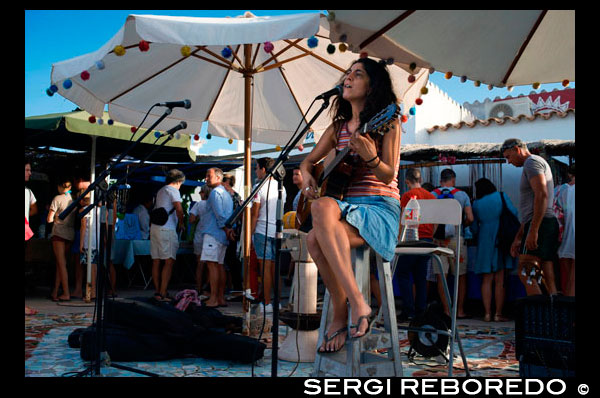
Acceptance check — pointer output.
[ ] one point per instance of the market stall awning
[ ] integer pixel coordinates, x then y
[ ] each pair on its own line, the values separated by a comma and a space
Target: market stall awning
71, 130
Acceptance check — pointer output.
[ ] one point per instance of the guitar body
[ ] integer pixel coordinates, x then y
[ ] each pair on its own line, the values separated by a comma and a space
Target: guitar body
333, 186
333, 180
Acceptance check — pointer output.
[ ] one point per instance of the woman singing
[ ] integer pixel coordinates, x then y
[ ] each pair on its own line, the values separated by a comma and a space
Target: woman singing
370, 210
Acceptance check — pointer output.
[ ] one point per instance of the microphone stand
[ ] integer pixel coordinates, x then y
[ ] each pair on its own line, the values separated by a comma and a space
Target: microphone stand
106, 172
105, 241
277, 172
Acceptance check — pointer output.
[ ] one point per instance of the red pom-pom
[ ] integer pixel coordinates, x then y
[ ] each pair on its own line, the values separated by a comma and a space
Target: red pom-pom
363, 54
143, 45
418, 101
411, 78
92, 119
85, 75
300, 147
404, 118
133, 129
196, 137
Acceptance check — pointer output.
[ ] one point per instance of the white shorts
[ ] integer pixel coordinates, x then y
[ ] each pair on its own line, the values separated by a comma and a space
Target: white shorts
164, 243
213, 250
198, 242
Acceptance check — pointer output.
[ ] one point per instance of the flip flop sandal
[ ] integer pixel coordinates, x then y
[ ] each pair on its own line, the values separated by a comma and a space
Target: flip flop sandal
370, 320
333, 336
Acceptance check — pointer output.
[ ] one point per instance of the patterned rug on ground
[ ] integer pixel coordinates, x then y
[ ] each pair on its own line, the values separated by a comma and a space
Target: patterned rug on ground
490, 352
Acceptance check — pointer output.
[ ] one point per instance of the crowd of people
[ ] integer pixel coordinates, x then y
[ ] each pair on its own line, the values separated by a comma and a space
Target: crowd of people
369, 213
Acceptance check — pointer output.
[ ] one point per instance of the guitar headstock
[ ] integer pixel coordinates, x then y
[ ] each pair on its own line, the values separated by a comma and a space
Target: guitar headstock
382, 121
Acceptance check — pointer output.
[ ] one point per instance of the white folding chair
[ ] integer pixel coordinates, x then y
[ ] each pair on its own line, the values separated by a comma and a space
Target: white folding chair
439, 211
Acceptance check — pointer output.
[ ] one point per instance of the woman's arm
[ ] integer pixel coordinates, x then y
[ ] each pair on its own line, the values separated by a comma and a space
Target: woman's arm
383, 167
323, 147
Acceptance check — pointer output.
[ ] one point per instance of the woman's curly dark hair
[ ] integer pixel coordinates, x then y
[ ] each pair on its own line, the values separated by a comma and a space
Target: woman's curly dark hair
381, 94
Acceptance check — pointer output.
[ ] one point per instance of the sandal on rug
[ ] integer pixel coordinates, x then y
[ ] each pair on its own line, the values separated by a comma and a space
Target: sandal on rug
370, 320
329, 338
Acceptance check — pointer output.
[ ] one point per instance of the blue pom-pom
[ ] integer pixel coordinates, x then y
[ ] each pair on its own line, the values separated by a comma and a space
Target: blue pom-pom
53, 88
100, 121
49, 92
313, 42
226, 52
157, 134
100, 65
67, 84
412, 111
110, 122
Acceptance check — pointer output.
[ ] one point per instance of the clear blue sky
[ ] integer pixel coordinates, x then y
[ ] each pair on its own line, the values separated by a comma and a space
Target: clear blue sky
52, 36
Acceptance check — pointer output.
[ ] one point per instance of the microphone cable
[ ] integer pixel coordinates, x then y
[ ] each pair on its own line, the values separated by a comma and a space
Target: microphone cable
142, 122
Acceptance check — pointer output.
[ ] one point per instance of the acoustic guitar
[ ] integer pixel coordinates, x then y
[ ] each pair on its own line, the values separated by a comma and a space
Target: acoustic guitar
334, 179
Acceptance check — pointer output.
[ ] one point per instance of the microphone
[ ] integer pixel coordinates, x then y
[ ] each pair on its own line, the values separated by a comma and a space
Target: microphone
172, 130
176, 104
337, 90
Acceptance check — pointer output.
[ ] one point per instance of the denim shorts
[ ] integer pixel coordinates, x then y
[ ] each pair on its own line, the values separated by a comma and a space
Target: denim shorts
259, 247
377, 219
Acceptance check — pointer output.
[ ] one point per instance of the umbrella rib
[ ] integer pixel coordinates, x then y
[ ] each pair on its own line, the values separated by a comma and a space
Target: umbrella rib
278, 64
255, 53
387, 27
524, 45
218, 57
218, 94
290, 44
317, 57
212, 61
290, 88
153, 76
235, 54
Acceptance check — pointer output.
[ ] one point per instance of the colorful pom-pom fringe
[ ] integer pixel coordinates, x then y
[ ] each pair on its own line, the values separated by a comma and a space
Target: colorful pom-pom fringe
312, 42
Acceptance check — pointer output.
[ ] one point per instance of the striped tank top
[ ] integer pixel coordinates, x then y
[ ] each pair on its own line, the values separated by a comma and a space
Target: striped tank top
365, 183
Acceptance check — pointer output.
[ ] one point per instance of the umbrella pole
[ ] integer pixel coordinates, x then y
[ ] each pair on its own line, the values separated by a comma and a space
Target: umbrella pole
247, 176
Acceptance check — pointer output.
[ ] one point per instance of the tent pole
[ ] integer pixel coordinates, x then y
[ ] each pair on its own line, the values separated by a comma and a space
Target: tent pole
92, 224
247, 176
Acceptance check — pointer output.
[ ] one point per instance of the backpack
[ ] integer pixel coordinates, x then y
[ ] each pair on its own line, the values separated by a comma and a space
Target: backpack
507, 229
159, 215
444, 231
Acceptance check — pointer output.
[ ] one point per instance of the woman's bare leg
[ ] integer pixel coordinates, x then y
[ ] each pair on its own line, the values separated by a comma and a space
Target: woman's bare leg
336, 238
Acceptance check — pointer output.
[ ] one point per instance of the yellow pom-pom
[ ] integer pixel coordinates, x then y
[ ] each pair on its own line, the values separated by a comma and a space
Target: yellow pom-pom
342, 47
277, 148
424, 90
477, 83
119, 50
230, 140
536, 85
186, 51
289, 220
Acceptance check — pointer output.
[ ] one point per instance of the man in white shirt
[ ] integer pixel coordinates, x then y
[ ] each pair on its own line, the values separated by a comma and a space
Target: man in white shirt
263, 227
164, 242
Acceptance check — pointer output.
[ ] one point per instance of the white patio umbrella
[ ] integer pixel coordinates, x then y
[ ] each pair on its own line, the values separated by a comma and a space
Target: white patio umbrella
497, 47
226, 68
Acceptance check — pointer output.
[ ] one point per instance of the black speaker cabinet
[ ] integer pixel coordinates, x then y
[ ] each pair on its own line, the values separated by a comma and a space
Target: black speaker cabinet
545, 335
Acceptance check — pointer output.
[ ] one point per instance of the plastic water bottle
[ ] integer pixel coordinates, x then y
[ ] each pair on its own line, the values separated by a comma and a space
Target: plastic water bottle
412, 216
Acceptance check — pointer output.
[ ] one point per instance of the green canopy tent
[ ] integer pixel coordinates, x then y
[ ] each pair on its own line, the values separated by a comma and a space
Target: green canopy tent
72, 130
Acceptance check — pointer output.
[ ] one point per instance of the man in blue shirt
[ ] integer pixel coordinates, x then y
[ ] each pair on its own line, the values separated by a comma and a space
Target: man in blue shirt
216, 236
